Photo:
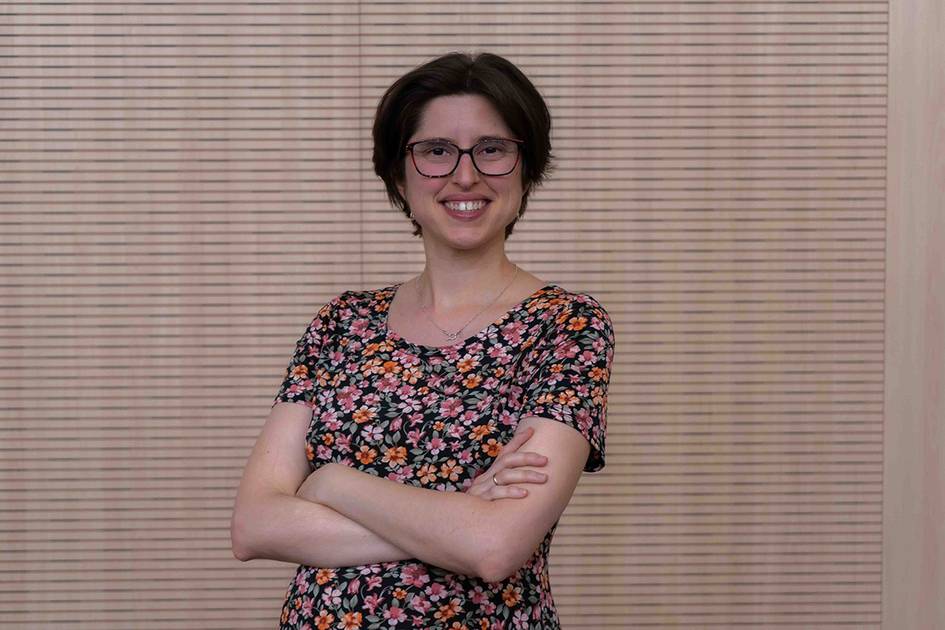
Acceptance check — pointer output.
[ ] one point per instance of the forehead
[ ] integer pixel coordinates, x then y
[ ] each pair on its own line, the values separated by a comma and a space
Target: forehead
462, 118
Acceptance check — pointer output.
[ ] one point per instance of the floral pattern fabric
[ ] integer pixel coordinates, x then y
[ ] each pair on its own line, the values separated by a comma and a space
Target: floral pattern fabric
435, 417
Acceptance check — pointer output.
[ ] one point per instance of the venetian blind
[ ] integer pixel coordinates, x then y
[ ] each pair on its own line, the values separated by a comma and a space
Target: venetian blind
183, 184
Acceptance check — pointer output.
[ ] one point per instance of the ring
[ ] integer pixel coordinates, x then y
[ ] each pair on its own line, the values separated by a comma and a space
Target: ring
495, 481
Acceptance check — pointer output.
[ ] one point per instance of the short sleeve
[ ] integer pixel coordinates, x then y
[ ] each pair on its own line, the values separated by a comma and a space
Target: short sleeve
301, 374
569, 377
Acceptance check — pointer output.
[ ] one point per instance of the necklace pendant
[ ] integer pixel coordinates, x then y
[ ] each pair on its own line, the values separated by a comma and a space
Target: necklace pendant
452, 336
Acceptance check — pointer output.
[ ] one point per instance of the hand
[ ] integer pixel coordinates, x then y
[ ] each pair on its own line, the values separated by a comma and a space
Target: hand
508, 469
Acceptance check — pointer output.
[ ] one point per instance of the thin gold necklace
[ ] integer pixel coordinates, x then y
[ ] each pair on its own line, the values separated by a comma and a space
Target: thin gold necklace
452, 336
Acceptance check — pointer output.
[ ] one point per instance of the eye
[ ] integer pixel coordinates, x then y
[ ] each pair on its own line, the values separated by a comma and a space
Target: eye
434, 149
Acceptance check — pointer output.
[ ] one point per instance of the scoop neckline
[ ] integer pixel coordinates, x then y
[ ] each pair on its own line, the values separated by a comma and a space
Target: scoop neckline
391, 291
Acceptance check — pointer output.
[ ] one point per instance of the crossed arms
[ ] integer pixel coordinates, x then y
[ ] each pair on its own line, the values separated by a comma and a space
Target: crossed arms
339, 516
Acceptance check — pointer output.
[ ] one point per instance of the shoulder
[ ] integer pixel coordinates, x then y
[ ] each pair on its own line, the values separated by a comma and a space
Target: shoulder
578, 312
355, 303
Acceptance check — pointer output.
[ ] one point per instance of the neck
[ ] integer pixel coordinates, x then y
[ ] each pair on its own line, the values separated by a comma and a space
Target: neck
457, 283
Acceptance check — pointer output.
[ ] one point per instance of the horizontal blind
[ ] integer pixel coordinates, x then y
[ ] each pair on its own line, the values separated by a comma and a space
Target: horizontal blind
171, 221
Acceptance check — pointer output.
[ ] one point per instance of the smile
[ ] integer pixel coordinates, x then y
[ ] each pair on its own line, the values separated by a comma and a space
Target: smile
465, 206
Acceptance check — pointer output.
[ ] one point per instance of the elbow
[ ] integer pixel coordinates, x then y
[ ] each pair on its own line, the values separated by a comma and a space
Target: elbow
240, 539
501, 560
496, 567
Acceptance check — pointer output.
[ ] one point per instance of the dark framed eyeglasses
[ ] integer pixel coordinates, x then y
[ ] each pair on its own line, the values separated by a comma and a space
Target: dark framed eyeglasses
439, 158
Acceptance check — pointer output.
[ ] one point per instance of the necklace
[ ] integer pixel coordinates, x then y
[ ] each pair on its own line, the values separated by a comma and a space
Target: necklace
452, 336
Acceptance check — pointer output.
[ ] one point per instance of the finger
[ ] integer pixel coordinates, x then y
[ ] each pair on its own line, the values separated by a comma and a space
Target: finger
509, 477
523, 458
506, 492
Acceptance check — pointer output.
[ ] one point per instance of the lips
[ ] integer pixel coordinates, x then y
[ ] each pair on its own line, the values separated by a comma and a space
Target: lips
466, 210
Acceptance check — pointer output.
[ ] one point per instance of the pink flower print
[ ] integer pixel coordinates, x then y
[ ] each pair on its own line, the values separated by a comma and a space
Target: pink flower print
394, 615
360, 327
478, 596
520, 620
347, 397
372, 433
464, 457
456, 431
330, 420
451, 407
395, 424
567, 349
301, 580
475, 348
420, 604
435, 445
371, 602
413, 437
512, 332
323, 452
372, 399
343, 443
331, 596
435, 591
414, 575
353, 586
307, 604
373, 582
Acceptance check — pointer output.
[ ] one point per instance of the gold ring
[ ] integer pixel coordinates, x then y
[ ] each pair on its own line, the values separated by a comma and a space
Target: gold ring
494, 480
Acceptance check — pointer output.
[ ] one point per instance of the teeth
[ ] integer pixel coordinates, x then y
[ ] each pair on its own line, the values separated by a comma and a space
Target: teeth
465, 206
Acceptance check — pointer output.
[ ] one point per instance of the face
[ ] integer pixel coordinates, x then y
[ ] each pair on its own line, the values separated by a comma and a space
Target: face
462, 119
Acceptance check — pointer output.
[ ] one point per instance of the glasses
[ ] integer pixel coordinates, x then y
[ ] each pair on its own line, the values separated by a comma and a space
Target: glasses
439, 158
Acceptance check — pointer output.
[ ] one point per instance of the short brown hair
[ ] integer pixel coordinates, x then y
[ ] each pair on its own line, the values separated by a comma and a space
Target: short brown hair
498, 80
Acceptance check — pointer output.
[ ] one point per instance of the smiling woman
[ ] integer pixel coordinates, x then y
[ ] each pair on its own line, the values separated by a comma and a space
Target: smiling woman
429, 434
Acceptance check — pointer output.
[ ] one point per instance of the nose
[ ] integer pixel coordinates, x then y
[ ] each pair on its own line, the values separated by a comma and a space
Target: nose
465, 174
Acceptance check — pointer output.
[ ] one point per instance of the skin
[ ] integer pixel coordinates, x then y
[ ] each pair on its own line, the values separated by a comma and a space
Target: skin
339, 516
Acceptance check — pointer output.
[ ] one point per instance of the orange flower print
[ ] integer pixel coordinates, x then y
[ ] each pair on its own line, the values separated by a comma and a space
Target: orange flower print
364, 414
465, 364
511, 595
400, 593
597, 373
391, 367
438, 425
481, 430
324, 620
472, 381
323, 576
395, 455
366, 455
568, 398
450, 470
351, 621
492, 448
299, 371
577, 323
447, 611
427, 473
309, 452
328, 439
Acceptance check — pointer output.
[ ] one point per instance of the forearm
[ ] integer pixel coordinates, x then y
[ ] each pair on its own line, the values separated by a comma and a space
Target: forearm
295, 529
441, 528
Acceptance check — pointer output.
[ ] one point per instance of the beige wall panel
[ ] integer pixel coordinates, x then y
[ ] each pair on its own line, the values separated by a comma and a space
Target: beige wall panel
914, 475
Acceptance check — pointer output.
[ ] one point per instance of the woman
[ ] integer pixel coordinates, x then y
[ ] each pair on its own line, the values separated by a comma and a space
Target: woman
379, 468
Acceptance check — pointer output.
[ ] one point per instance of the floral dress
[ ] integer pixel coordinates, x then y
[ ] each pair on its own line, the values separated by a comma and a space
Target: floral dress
435, 417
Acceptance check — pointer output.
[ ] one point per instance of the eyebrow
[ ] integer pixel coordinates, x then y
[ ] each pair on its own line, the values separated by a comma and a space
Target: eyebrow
479, 139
